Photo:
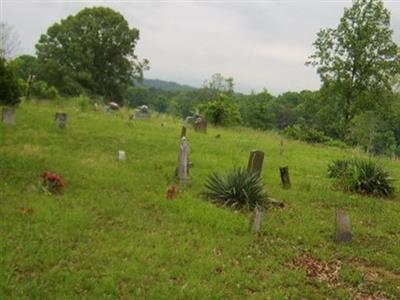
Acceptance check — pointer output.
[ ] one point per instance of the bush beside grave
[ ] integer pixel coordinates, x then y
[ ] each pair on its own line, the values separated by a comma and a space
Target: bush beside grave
363, 176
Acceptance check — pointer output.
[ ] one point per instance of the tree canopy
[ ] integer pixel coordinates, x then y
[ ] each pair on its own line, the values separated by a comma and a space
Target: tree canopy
9, 89
92, 51
357, 60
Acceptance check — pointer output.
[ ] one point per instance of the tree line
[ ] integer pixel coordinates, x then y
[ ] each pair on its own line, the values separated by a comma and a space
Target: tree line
93, 53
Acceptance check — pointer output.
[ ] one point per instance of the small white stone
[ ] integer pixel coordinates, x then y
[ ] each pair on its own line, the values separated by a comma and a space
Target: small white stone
121, 155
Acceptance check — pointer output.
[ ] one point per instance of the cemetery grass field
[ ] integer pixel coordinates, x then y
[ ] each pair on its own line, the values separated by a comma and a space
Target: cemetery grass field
114, 235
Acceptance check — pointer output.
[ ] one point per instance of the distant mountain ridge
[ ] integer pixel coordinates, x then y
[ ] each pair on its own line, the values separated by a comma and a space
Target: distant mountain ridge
165, 85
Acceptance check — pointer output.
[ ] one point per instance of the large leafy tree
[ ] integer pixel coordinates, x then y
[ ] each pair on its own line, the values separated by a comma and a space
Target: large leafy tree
357, 60
92, 51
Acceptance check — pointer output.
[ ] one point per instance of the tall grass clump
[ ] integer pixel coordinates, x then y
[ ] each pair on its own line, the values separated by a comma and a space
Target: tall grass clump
238, 189
363, 176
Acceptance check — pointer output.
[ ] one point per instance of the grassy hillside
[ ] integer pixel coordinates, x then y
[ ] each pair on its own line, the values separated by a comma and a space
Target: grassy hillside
113, 234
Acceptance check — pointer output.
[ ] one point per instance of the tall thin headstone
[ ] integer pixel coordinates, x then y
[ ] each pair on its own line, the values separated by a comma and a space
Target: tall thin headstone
183, 163
285, 178
61, 120
343, 227
8, 115
256, 161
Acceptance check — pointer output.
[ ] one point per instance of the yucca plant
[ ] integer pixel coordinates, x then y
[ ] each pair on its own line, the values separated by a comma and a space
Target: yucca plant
363, 176
338, 168
238, 189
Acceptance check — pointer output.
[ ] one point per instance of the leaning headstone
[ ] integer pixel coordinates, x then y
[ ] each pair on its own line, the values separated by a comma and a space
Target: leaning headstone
200, 125
8, 115
121, 155
61, 120
256, 160
183, 131
343, 227
285, 178
257, 219
183, 161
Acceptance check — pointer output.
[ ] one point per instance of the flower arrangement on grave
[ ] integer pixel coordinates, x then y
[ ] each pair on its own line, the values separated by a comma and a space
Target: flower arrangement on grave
52, 183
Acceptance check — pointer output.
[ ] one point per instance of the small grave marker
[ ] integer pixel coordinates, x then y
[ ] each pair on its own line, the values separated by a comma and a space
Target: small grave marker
121, 155
61, 119
183, 161
8, 115
257, 219
200, 125
256, 161
285, 178
343, 227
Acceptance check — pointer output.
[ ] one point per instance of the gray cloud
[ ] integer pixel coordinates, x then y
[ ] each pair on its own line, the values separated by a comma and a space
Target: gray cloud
260, 44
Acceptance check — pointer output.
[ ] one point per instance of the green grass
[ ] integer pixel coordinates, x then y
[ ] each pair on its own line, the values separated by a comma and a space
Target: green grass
114, 235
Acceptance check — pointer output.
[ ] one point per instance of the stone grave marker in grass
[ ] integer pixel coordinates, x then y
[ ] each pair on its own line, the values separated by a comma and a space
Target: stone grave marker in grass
285, 178
8, 115
183, 161
343, 227
121, 155
61, 119
257, 219
200, 125
256, 161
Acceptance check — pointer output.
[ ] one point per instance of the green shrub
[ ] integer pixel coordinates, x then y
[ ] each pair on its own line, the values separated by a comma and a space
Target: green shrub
222, 111
309, 135
42, 90
238, 189
9, 87
363, 176
82, 101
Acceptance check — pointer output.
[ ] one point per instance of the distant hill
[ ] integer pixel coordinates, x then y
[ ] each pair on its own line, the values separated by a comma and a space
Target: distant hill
165, 85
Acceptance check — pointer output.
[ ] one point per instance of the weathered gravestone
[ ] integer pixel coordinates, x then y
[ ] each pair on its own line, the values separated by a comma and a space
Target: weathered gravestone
190, 120
61, 120
343, 227
183, 161
8, 115
121, 155
256, 161
200, 125
285, 178
142, 112
257, 219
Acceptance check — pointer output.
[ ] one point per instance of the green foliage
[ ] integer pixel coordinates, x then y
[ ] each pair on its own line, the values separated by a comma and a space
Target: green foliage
90, 51
372, 134
302, 133
41, 89
363, 176
357, 60
9, 87
24, 66
221, 111
238, 189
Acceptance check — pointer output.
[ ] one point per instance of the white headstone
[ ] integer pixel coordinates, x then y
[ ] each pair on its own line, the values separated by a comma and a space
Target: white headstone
121, 155
183, 164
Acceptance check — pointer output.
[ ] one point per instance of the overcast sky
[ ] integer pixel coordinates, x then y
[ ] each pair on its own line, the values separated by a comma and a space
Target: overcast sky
261, 44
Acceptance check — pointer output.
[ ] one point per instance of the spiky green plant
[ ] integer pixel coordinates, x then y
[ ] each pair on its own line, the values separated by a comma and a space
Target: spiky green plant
363, 176
238, 189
